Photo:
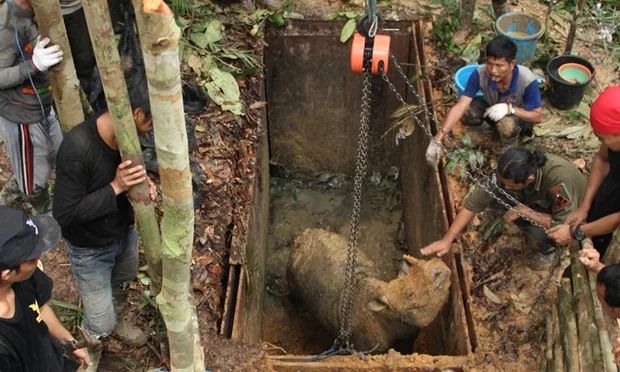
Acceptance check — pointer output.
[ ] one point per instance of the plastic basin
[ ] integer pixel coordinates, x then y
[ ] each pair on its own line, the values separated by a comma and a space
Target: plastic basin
524, 30
574, 73
462, 76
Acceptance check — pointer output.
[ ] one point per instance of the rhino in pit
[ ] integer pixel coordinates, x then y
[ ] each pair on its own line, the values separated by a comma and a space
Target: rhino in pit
383, 311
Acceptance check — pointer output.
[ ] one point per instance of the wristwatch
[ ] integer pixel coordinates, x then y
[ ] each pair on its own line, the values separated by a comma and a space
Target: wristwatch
576, 233
512, 109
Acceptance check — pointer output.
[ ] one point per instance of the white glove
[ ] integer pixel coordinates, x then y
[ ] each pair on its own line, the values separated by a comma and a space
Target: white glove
44, 57
497, 111
434, 152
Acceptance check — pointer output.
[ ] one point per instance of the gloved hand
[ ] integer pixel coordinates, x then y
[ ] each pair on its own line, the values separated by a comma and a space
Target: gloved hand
44, 57
497, 111
434, 152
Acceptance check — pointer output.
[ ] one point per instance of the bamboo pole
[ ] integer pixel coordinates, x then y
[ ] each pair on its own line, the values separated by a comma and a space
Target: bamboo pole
113, 80
612, 254
63, 78
549, 339
568, 326
589, 344
583, 328
558, 355
599, 318
159, 37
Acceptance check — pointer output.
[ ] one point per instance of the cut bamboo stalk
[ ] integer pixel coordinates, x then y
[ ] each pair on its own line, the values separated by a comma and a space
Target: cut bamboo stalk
581, 310
612, 254
558, 355
568, 326
599, 318
549, 334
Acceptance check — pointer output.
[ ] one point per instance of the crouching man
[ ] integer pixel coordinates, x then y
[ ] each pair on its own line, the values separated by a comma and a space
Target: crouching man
30, 332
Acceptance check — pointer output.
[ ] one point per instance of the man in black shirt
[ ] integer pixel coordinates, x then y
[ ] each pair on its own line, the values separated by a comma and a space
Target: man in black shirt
91, 206
29, 330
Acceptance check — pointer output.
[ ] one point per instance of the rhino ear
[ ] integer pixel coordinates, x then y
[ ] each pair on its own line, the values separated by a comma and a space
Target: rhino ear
378, 304
407, 264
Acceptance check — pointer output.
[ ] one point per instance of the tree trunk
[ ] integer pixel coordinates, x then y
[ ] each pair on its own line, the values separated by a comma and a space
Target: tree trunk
110, 70
466, 17
159, 37
570, 39
65, 84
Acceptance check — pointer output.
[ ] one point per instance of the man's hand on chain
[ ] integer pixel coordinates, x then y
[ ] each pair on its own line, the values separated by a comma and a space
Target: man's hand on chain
561, 234
126, 177
439, 247
434, 151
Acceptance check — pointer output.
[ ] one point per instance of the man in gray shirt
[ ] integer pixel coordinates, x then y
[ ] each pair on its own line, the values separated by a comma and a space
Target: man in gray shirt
28, 124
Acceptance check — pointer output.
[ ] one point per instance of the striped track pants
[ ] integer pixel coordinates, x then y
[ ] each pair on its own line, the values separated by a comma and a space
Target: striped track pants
32, 151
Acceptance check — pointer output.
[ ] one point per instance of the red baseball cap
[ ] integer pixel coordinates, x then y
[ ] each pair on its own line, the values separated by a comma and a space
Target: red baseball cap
605, 111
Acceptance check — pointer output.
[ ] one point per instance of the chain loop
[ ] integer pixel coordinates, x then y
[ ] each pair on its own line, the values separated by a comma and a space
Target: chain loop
348, 293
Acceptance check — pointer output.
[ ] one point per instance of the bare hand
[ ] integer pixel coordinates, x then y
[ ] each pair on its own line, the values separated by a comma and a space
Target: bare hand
591, 259
152, 189
511, 215
560, 234
125, 177
81, 356
439, 247
576, 217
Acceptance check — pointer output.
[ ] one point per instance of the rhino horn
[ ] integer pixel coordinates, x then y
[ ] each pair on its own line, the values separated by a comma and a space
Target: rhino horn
378, 304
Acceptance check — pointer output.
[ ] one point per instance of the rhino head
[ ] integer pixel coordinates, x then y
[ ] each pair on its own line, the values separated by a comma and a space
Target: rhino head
418, 293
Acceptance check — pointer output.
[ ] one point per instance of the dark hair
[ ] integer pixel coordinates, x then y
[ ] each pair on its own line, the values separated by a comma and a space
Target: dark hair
137, 88
517, 164
502, 47
610, 278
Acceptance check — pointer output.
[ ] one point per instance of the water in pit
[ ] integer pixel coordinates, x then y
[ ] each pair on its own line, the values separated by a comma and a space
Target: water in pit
297, 205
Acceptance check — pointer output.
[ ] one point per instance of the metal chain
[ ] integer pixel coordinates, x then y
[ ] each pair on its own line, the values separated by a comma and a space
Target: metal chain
348, 293
490, 186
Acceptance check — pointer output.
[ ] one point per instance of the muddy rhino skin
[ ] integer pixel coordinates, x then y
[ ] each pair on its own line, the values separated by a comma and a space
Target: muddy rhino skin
384, 312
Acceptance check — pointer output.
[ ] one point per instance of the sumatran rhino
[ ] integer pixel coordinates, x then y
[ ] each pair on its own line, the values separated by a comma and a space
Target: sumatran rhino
383, 312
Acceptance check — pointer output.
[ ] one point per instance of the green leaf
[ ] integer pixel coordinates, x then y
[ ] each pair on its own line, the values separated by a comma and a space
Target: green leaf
199, 38
145, 280
467, 141
471, 52
213, 32
277, 20
347, 30
351, 14
224, 91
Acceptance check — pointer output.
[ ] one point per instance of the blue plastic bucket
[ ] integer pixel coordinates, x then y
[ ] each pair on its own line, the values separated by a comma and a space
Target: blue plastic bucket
524, 30
462, 77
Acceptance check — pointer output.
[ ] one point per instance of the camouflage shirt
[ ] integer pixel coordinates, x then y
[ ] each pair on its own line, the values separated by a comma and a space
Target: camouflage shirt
558, 190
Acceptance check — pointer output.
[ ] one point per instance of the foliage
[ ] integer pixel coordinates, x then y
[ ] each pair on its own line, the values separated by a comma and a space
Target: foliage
446, 26
465, 158
350, 26
69, 314
491, 230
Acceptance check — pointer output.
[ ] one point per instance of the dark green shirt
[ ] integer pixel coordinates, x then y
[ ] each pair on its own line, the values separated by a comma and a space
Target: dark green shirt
558, 190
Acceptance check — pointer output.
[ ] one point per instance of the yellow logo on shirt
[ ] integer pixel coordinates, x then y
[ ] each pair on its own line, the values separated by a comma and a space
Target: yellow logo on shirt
35, 307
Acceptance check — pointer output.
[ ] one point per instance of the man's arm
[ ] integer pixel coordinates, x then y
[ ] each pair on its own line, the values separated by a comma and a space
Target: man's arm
59, 332
442, 246
532, 116
454, 115
600, 169
12, 72
531, 110
543, 219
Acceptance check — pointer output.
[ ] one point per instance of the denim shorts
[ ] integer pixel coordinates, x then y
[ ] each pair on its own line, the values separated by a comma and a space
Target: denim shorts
97, 270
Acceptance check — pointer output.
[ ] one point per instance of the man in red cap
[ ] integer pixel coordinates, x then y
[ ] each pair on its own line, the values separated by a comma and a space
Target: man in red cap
31, 336
601, 203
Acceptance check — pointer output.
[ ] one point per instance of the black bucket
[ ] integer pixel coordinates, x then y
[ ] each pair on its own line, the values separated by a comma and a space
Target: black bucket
563, 94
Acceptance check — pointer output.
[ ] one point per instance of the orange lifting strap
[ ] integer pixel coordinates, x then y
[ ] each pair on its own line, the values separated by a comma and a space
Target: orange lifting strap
370, 54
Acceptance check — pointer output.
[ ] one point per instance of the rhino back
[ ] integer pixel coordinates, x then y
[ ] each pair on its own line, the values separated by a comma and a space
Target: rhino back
315, 273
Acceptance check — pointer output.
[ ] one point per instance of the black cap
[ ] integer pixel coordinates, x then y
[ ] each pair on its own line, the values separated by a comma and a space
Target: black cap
23, 238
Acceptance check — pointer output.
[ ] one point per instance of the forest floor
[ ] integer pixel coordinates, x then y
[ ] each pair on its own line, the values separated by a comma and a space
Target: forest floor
506, 294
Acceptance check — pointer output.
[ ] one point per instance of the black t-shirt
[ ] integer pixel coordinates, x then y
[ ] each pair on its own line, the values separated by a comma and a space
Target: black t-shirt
85, 206
26, 333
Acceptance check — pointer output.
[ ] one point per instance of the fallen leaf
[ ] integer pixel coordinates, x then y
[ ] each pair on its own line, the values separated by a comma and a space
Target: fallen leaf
491, 296
258, 105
